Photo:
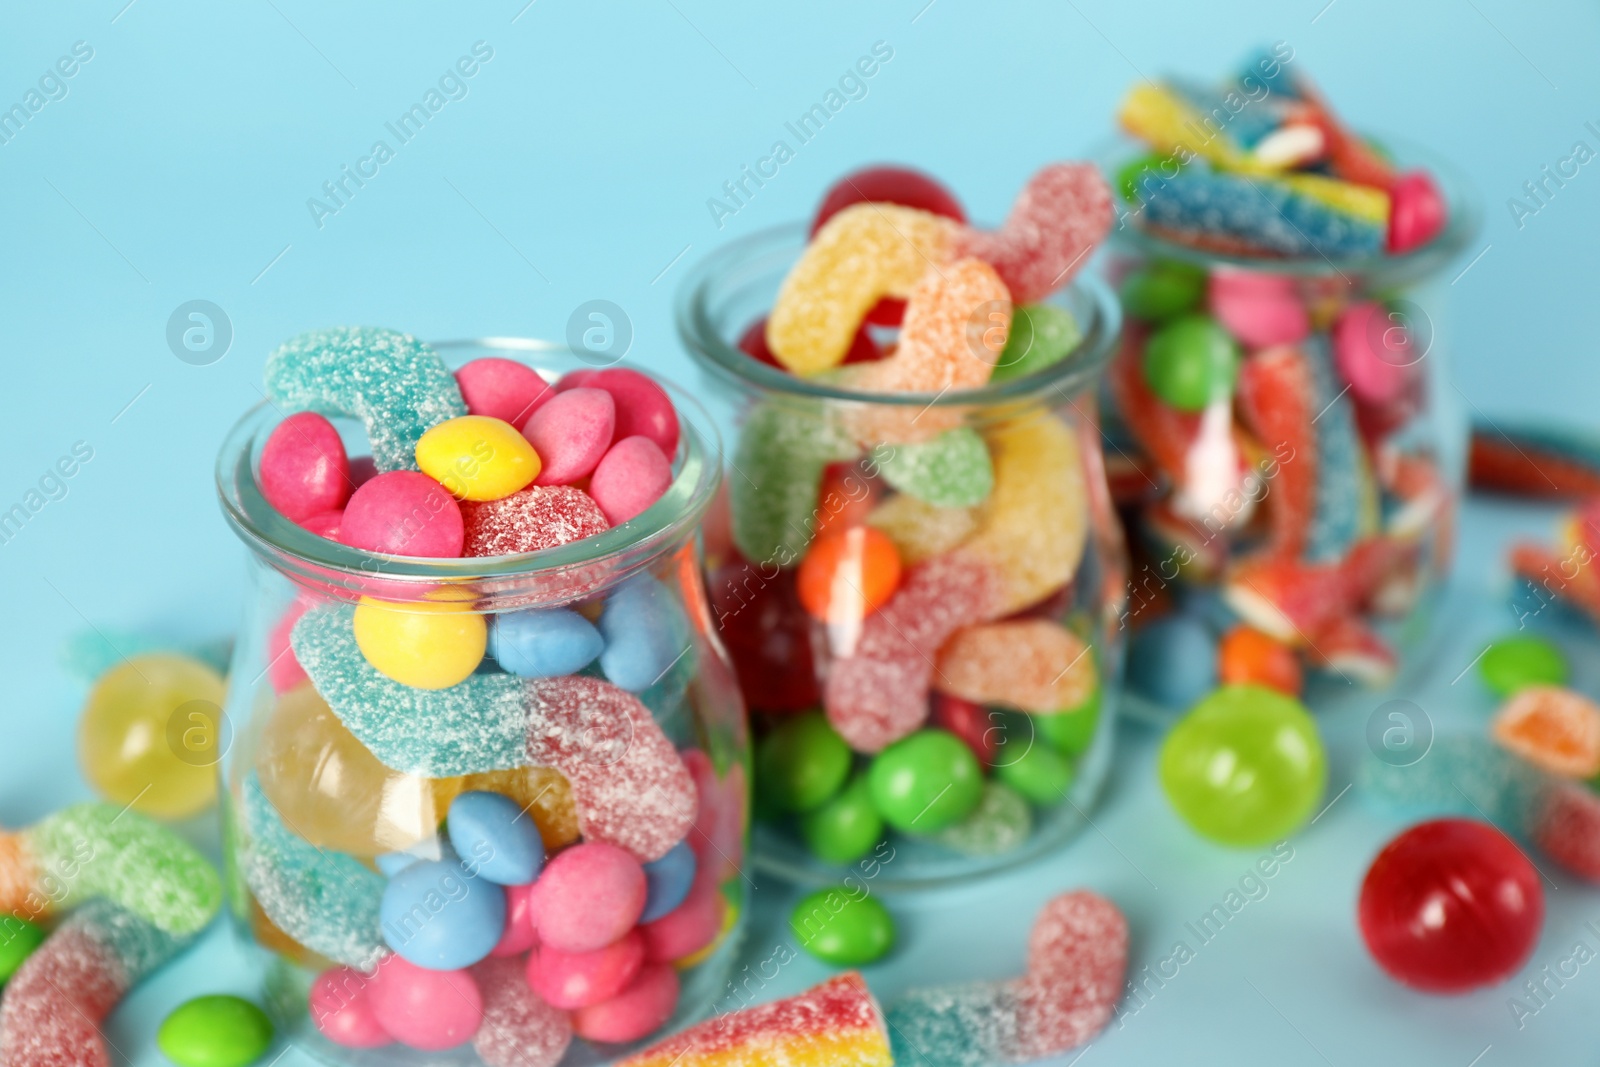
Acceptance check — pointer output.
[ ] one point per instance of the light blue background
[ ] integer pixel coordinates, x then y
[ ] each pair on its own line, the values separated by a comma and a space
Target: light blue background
178, 167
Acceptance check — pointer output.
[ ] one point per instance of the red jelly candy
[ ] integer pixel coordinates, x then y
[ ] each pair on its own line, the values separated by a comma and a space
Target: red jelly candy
893, 185
1451, 905
767, 634
753, 343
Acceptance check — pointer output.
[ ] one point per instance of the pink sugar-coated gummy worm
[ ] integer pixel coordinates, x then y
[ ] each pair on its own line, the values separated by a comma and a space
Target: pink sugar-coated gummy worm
877, 691
1060, 216
519, 1029
628, 781
502, 389
1077, 959
1277, 395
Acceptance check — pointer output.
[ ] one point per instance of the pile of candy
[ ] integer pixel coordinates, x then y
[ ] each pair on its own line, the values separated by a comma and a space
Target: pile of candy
497, 823
1274, 458
902, 560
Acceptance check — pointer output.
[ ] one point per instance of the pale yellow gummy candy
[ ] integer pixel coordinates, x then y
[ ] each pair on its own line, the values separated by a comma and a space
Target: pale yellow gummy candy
862, 254
919, 529
1033, 527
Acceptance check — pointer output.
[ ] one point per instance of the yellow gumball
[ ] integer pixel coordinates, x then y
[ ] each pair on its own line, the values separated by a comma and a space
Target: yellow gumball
478, 458
151, 735
426, 645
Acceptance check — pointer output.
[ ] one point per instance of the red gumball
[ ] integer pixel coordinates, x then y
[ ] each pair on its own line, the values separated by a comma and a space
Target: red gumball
891, 185
767, 633
753, 343
1450, 905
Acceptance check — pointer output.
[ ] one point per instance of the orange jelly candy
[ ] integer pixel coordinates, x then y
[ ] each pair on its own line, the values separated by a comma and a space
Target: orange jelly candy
1552, 727
1249, 657
848, 575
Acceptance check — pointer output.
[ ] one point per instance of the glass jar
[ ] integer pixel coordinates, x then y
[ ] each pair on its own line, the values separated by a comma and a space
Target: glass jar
920, 594
321, 824
1291, 513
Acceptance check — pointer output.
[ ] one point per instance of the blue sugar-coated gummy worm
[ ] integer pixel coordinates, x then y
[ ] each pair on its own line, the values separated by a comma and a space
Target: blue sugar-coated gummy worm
1254, 213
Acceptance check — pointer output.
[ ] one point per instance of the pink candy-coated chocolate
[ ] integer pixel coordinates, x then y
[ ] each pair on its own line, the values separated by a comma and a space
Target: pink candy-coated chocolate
577, 379
362, 470
589, 896
1077, 958
1373, 353
521, 932
571, 434
1417, 211
283, 669
1258, 309
636, 1012
630, 787
643, 407
632, 476
689, 927
533, 519
519, 1029
325, 524
1057, 220
428, 1010
304, 469
572, 980
341, 1009
403, 513
502, 389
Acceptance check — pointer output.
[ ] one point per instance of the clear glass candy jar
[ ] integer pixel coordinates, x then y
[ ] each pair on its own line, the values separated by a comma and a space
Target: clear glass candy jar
1287, 453
362, 806
920, 593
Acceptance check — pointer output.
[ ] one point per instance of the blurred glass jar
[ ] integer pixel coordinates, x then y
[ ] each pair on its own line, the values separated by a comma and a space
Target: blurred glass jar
319, 826
920, 593
1284, 452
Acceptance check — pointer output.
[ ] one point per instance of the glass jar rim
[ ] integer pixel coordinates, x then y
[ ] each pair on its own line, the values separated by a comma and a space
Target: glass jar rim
1464, 220
304, 555
769, 246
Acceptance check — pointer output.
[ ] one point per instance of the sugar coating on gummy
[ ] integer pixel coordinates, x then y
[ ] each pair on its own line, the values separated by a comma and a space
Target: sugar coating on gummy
920, 530
100, 850
519, 1029
58, 998
327, 901
973, 1025
835, 1024
1338, 521
1000, 823
778, 467
1461, 774
879, 693
476, 725
1033, 527
395, 384
631, 787
1241, 214
862, 254
531, 520
1278, 395
1030, 664
951, 471
1060, 216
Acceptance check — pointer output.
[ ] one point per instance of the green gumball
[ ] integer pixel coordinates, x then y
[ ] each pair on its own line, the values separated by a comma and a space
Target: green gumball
1516, 662
1191, 362
1244, 767
801, 763
845, 828
926, 782
18, 939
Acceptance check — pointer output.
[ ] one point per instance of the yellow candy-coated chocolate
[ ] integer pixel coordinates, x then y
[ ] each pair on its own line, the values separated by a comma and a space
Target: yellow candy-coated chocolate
150, 735
426, 644
476, 457
333, 792
862, 254
1033, 526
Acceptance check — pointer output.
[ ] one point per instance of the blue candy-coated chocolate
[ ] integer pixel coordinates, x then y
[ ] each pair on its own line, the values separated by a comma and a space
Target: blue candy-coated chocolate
437, 915
668, 881
1173, 661
544, 643
491, 833
645, 633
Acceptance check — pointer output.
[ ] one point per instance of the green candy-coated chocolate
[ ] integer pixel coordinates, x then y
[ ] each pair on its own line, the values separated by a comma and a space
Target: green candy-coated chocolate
1245, 767
801, 763
1516, 662
841, 926
846, 827
1191, 362
1071, 731
1041, 336
18, 939
951, 471
215, 1031
999, 824
1039, 773
1159, 291
926, 782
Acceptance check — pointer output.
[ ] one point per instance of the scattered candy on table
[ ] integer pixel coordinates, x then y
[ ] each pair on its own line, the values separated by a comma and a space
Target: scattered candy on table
843, 926
215, 1031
